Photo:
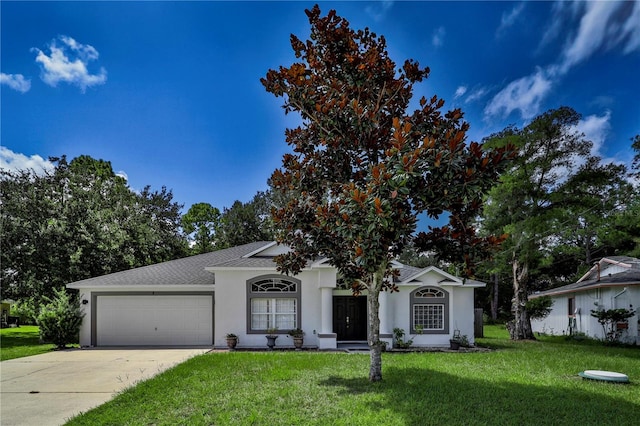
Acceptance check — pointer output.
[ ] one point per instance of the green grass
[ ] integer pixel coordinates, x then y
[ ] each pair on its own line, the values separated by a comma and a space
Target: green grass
519, 383
20, 342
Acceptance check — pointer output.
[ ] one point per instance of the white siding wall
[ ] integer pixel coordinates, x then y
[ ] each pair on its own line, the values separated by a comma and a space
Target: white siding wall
557, 323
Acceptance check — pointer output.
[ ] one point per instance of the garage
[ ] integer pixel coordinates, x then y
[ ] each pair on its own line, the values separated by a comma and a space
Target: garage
153, 319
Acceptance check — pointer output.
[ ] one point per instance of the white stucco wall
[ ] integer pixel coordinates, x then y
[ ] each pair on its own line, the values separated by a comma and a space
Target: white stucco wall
231, 306
460, 311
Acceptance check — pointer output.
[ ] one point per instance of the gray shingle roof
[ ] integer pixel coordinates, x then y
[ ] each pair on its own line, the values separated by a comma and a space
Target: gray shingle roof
629, 277
191, 270
186, 271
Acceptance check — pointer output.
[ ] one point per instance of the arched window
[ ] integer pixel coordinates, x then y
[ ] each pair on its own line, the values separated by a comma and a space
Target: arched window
429, 310
273, 301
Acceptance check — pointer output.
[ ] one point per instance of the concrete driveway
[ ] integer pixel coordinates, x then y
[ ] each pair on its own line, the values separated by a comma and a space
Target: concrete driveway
51, 388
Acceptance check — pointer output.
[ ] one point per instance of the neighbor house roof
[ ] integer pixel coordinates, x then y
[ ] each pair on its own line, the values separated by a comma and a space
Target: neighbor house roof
592, 279
186, 271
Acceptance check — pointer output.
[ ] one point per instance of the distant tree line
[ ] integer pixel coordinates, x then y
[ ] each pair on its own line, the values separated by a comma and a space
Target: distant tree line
81, 220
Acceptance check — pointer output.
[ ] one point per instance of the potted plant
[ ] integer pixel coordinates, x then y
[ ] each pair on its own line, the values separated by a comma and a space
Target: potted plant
232, 340
298, 337
458, 340
271, 337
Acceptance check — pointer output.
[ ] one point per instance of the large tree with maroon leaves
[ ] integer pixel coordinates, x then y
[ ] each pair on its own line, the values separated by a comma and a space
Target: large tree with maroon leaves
363, 168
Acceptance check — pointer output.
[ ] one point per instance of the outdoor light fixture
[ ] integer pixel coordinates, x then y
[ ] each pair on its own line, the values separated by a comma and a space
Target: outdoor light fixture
85, 301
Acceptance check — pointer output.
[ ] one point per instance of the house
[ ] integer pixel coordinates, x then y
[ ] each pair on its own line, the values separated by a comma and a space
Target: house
199, 299
612, 283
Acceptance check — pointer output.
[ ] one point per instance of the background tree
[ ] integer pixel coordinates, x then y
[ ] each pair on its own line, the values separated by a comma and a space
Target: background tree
79, 221
244, 223
362, 168
529, 199
202, 221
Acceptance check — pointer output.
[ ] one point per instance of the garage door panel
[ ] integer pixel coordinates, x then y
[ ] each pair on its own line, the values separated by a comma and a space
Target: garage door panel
154, 320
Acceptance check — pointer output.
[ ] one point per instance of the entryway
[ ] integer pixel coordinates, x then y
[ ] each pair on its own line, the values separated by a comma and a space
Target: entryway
350, 318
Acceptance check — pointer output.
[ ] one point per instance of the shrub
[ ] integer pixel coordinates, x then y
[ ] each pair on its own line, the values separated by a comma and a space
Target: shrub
59, 319
609, 320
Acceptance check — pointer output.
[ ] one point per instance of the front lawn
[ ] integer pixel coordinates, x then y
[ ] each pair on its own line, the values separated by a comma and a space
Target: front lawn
520, 383
21, 341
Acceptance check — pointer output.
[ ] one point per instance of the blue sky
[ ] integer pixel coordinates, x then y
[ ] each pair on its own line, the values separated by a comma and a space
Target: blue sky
170, 92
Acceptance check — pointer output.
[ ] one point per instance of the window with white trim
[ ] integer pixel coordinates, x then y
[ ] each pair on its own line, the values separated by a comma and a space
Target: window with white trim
429, 310
273, 302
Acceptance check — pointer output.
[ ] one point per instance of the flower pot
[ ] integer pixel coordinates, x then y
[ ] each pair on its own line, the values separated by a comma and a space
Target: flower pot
232, 342
297, 342
454, 345
271, 342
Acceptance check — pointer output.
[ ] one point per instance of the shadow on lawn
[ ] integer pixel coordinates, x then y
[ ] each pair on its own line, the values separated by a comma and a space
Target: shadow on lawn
421, 397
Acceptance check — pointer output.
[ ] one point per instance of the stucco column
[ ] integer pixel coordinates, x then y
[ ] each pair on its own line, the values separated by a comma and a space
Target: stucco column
326, 306
384, 313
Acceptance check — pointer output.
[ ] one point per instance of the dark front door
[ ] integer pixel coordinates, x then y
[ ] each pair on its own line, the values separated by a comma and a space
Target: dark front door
350, 317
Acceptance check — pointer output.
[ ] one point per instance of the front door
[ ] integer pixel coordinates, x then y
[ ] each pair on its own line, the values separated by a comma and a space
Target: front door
350, 317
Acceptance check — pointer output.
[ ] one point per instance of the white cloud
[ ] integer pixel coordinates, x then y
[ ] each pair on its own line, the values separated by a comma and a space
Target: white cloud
460, 91
16, 82
438, 37
13, 161
596, 129
123, 175
604, 25
69, 63
509, 18
476, 94
524, 95
378, 10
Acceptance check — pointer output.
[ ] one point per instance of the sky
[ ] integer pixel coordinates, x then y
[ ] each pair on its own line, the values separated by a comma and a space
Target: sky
170, 92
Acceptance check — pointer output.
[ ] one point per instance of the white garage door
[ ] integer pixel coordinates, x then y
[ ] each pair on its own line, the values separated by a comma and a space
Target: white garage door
154, 320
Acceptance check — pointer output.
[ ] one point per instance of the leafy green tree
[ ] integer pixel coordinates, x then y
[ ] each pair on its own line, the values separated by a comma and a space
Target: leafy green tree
362, 168
635, 145
528, 200
78, 221
203, 221
60, 319
244, 223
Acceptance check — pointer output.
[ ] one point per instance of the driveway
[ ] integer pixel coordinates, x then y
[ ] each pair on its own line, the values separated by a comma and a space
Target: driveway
51, 388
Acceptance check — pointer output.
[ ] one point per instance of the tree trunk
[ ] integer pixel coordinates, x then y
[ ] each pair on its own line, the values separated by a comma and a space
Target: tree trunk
494, 297
373, 332
520, 327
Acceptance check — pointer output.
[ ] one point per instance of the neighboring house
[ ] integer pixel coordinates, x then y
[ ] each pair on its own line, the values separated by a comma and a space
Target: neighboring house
199, 299
612, 283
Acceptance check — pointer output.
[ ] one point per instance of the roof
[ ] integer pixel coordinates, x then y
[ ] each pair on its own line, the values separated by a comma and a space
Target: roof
186, 271
592, 280
200, 269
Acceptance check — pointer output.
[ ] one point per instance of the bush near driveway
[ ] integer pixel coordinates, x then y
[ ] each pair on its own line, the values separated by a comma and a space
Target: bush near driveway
521, 383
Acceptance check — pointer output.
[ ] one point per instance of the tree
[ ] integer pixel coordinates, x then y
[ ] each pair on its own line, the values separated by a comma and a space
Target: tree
78, 221
635, 145
60, 319
203, 220
362, 168
528, 202
247, 222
